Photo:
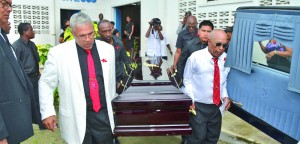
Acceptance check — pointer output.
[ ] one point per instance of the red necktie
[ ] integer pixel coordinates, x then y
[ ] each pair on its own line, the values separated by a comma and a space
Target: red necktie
216, 94
93, 83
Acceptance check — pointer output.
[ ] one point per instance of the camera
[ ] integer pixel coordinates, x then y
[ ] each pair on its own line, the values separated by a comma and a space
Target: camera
155, 22
187, 14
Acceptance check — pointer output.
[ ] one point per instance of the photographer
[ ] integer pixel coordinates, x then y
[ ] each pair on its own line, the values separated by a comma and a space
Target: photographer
154, 36
154, 27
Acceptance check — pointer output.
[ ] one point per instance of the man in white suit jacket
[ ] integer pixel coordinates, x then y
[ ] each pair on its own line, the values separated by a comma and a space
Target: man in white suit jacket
67, 69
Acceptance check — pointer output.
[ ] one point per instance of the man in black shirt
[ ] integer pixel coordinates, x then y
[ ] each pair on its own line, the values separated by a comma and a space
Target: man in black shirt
183, 37
84, 71
188, 34
122, 74
205, 27
27, 53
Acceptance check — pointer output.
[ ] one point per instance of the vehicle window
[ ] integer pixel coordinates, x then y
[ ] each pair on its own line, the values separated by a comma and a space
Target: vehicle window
272, 54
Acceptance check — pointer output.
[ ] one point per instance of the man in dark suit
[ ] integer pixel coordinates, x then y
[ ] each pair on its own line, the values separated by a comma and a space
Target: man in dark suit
15, 88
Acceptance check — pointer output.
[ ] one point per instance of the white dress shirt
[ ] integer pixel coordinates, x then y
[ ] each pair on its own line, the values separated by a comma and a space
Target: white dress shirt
199, 76
164, 47
154, 45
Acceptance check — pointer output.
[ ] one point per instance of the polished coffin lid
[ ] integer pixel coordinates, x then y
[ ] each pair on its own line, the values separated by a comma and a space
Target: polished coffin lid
151, 110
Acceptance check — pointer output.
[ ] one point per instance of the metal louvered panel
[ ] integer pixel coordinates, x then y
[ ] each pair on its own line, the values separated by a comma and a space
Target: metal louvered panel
282, 2
274, 2
187, 5
205, 9
265, 2
37, 16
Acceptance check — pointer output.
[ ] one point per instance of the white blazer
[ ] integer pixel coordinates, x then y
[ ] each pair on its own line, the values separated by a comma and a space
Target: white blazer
62, 69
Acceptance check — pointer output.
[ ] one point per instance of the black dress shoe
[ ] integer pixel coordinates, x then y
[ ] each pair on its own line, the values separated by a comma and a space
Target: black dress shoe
42, 128
116, 141
184, 142
184, 139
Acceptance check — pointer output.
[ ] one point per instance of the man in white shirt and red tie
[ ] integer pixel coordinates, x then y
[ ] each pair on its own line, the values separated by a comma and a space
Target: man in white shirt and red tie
205, 79
84, 72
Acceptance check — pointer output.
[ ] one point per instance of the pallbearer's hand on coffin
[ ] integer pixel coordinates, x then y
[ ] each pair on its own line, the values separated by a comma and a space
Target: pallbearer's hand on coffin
192, 109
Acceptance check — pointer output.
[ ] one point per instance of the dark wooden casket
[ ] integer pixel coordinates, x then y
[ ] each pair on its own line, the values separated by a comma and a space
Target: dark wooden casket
151, 109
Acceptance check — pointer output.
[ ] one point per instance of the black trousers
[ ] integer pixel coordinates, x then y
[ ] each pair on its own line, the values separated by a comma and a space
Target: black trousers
130, 43
35, 104
98, 130
206, 124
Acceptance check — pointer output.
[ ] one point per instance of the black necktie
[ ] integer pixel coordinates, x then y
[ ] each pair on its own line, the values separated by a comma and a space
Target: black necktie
34, 56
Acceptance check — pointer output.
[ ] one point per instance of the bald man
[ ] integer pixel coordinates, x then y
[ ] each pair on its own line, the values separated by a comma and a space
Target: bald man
188, 34
205, 79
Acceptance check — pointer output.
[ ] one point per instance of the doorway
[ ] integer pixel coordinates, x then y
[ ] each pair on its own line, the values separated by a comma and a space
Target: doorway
134, 11
65, 15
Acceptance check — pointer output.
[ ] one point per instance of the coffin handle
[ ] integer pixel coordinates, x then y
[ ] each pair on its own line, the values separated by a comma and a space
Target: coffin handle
237, 103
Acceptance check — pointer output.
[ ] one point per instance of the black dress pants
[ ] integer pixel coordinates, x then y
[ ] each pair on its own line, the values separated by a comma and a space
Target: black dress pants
206, 124
98, 130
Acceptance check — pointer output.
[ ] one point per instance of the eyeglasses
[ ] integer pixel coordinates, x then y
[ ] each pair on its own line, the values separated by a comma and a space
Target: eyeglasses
224, 45
84, 37
6, 5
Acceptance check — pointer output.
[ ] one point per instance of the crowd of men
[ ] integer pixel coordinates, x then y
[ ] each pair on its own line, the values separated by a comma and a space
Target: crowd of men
198, 70
84, 69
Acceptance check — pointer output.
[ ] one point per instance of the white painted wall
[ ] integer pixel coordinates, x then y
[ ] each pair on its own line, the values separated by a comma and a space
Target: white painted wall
166, 10
41, 38
92, 9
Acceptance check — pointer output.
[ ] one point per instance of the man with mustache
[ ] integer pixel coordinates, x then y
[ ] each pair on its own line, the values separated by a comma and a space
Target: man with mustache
122, 74
205, 79
15, 88
27, 53
189, 33
84, 72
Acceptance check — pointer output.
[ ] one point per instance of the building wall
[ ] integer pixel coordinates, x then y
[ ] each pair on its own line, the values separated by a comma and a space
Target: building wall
41, 16
44, 16
169, 11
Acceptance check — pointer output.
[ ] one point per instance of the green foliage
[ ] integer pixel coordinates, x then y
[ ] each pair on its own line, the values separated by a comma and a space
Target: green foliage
95, 24
133, 65
135, 46
43, 52
56, 98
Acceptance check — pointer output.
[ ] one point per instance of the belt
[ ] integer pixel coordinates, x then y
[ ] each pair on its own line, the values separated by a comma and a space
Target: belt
211, 104
32, 74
